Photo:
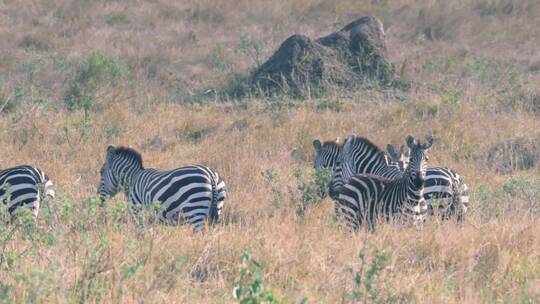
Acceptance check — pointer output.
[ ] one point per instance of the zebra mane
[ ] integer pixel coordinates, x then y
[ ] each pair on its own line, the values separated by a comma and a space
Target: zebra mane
334, 142
359, 141
129, 153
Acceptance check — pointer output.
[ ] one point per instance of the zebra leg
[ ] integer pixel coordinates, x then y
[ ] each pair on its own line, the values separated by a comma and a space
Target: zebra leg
346, 211
135, 210
463, 200
35, 208
337, 210
460, 201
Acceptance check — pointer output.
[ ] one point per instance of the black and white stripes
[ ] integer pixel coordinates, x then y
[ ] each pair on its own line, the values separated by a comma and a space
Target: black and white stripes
443, 185
444, 190
365, 198
192, 194
327, 154
24, 186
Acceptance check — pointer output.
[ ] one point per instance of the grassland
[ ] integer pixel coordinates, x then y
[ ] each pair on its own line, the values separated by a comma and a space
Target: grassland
76, 76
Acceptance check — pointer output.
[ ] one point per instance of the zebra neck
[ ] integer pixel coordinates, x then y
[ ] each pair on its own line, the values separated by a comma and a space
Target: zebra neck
415, 190
126, 176
388, 171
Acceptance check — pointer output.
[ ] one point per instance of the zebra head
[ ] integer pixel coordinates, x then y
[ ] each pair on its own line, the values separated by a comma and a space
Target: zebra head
418, 160
327, 153
398, 158
415, 174
119, 164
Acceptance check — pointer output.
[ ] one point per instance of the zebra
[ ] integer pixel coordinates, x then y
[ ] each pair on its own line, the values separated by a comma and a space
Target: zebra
367, 197
24, 186
360, 156
327, 153
441, 184
400, 158
193, 194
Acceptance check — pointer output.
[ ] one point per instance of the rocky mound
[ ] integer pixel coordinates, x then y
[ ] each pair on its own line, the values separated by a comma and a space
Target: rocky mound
344, 59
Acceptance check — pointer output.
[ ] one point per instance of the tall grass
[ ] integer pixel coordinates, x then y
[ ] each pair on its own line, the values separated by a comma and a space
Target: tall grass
474, 82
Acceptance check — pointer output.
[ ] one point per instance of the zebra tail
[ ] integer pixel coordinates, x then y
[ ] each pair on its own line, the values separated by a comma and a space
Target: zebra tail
49, 189
213, 213
48, 185
461, 200
464, 196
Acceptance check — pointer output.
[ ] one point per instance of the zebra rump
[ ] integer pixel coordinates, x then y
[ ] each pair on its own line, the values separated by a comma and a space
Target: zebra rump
24, 186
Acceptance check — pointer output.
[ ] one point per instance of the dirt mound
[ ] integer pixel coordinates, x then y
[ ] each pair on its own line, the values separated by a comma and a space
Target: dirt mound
344, 59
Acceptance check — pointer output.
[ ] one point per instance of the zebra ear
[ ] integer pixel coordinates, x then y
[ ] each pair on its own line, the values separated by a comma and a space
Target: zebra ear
317, 144
429, 142
347, 144
338, 140
392, 152
110, 150
410, 141
404, 151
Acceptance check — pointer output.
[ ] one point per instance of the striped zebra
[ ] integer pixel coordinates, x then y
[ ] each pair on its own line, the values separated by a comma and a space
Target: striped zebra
360, 156
400, 158
442, 184
24, 186
365, 198
327, 153
192, 194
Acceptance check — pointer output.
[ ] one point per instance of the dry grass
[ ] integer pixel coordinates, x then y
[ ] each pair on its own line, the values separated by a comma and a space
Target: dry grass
474, 68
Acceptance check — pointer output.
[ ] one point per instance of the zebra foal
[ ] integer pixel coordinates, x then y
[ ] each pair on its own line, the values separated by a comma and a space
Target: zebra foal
24, 186
364, 198
442, 184
193, 194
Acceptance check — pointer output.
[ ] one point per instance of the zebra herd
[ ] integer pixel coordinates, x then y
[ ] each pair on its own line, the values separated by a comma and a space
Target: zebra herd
367, 185
192, 194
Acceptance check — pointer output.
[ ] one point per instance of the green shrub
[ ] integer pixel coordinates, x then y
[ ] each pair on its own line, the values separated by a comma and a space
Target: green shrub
312, 189
367, 279
249, 285
95, 73
272, 181
4, 293
523, 191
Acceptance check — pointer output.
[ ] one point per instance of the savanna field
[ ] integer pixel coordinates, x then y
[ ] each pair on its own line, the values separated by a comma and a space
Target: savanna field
77, 76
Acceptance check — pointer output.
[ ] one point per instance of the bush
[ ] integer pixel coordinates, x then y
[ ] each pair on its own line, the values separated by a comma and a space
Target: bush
366, 281
523, 191
511, 155
96, 73
272, 180
312, 189
249, 285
